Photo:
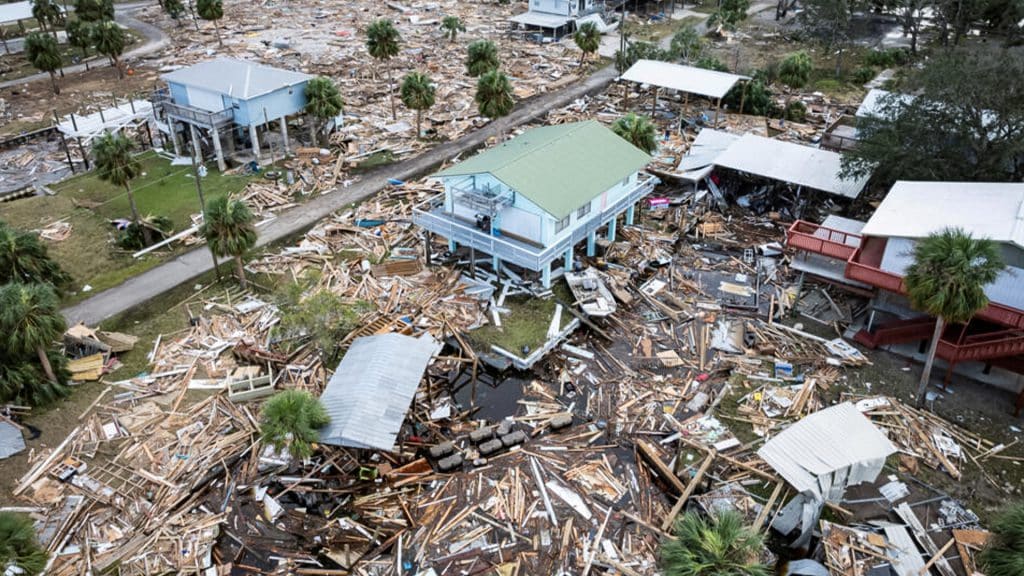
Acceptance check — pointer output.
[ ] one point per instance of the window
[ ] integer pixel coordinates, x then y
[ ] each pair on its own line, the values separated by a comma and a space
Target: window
626, 181
583, 211
561, 224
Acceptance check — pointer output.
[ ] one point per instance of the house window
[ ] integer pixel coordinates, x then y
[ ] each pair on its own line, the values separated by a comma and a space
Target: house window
561, 224
625, 182
583, 211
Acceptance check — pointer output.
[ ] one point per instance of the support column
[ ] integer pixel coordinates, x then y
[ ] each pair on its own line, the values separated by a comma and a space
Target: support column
255, 142
284, 135
611, 229
197, 150
592, 244
496, 263
221, 165
630, 212
452, 246
568, 260
174, 137
545, 275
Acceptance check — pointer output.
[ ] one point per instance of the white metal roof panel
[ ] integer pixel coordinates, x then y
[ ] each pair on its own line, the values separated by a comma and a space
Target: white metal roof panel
710, 83
236, 78
993, 210
788, 162
370, 392
11, 440
540, 19
14, 11
872, 103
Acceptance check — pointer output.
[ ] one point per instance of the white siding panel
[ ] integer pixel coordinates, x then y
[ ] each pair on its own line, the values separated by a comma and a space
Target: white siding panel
521, 223
205, 100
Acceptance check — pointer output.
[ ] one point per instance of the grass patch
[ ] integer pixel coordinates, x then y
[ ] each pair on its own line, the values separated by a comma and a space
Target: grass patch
527, 323
90, 254
375, 160
14, 66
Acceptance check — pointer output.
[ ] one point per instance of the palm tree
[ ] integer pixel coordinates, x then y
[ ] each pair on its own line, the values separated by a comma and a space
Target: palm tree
637, 130
947, 280
481, 58
174, 9
229, 231
588, 39
795, 71
212, 10
94, 10
686, 43
115, 163
290, 419
24, 383
383, 43
1004, 554
418, 94
452, 26
23, 258
323, 102
19, 546
109, 40
42, 51
30, 321
47, 13
721, 546
79, 35
494, 95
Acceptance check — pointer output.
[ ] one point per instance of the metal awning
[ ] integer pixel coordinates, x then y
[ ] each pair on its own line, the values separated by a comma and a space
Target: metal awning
541, 20
371, 391
709, 83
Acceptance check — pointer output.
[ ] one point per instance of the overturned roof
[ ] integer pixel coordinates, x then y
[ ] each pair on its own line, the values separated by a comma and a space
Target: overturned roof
788, 162
558, 168
827, 451
710, 83
236, 78
540, 19
872, 103
993, 210
11, 440
371, 391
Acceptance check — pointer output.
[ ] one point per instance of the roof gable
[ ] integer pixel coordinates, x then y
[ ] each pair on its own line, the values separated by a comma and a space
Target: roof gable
558, 168
236, 78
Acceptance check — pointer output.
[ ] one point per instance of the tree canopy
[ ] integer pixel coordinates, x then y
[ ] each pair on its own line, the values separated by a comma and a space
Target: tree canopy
323, 100
229, 230
451, 25
637, 130
494, 94
481, 58
18, 544
94, 10
30, 322
719, 546
1004, 555
24, 258
44, 54
383, 43
290, 420
966, 122
418, 94
587, 39
109, 39
730, 13
211, 10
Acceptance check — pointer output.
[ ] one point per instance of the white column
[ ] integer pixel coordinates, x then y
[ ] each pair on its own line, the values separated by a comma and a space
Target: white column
255, 141
284, 134
221, 165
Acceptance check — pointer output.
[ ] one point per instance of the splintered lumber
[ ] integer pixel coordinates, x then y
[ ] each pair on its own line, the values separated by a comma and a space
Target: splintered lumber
691, 486
651, 455
924, 538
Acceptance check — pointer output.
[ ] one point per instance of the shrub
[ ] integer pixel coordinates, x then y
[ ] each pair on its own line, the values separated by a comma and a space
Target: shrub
291, 419
863, 75
18, 544
796, 111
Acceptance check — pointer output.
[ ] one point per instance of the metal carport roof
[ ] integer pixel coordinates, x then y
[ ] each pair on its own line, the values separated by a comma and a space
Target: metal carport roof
709, 83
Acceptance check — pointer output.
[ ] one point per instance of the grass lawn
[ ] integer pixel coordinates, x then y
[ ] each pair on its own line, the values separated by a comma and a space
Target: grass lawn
19, 66
527, 323
90, 254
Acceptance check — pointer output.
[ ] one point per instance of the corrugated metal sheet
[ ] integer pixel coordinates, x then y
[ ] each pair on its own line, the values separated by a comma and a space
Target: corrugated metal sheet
370, 392
788, 162
828, 451
689, 79
11, 440
236, 78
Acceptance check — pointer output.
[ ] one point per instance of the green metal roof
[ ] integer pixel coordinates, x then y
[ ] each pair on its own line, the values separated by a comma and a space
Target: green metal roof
558, 168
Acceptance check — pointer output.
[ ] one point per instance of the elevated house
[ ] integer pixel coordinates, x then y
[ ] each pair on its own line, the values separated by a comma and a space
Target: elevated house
558, 16
228, 101
872, 257
532, 199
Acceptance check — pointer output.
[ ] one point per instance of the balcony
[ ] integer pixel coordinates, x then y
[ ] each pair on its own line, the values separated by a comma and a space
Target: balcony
488, 200
430, 215
821, 240
162, 101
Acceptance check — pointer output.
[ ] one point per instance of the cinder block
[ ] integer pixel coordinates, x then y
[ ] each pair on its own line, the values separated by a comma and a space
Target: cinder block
490, 447
442, 449
478, 436
517, 437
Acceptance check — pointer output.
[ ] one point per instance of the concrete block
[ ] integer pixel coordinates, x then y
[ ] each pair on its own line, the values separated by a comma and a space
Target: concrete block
561, 421
481, 434
441, 450
504, 427
517, 437
450, 463
490, 447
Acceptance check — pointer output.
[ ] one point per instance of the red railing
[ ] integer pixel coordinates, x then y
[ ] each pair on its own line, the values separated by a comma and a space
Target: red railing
821, 240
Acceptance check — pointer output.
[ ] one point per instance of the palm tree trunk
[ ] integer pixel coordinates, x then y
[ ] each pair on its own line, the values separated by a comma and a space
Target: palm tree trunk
391, 94
192, 10
53, 81
926, 374
117, 64
146, 235
216, 29
419, 122
45, 362
240, 271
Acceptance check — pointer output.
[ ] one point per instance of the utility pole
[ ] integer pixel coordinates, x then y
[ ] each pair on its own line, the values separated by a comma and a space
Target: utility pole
202, 203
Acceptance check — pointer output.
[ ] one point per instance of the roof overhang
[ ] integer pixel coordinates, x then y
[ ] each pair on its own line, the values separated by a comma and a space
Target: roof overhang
708, 83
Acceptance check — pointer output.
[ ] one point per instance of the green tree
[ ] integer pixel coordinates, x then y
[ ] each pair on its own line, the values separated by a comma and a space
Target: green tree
956, 17
730, 13
48, 14
452, 26
174, 9
710, 62
80, 35
637, 51
212, 11
321, 317
751, 97
587, 39
481, 58
115, 163
795, 71
637, 130
93, 11
23, 258
18, 544
323, 102
686, 44
229, 231
384, 42
418, 94
1004, 554
30, 322
108, 37
947, 280
965, 124
290, 420
23, 382
44, 54
830, 22
721, 546
494, 97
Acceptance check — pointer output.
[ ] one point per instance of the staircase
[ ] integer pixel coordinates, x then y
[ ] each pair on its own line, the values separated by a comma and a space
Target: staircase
897, 332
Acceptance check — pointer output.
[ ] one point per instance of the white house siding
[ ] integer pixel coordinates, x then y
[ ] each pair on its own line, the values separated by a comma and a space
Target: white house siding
560, 7
522, 219
205, 100
597, 206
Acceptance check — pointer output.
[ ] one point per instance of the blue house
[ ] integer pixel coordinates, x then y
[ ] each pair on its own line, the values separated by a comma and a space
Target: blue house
532, 199
231, 100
